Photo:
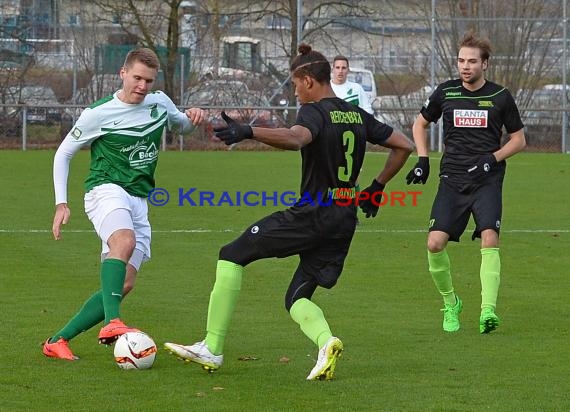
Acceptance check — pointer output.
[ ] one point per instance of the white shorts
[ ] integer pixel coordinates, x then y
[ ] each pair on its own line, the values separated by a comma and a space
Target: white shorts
110, 208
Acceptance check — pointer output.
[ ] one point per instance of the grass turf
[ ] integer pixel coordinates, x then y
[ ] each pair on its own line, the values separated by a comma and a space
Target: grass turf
384, 308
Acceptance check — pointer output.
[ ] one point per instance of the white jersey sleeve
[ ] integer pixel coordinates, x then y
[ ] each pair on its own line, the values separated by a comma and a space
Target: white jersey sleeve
84, 131
175, 116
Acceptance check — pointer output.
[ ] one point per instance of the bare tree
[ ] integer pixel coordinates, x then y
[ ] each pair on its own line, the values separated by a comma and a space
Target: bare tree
518, 31
150, 24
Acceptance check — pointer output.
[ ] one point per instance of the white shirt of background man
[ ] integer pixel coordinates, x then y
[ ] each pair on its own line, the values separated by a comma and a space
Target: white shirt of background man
353, 93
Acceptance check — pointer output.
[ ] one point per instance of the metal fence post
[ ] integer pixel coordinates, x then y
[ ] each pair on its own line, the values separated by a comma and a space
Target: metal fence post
564, 79
24, 128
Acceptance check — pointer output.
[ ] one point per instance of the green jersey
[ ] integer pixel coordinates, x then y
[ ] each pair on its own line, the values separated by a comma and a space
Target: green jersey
125, 140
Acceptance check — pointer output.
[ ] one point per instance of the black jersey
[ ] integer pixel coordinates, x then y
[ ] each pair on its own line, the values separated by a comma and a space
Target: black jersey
472, 122
334, 157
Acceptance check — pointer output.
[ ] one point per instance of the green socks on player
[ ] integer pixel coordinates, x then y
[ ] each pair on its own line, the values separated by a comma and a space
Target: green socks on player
103, 302
90, 314
113, 272
440, 269
490, 277
223, 300
311, 320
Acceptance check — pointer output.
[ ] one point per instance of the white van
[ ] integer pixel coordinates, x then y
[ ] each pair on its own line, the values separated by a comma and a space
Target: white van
366, 79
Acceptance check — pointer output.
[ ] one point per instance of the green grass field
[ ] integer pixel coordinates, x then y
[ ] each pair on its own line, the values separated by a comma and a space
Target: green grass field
384, 308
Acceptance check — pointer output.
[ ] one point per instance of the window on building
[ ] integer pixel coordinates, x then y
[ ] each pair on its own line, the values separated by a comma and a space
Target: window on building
229, 21
277, 22
393, 58
225, 20
74, 20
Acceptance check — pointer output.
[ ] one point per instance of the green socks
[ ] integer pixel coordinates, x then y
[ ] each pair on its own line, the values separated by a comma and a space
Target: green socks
311, 320
113, 272
440, 269
102, 305
490, 274
223, 300
90, 314
490, 277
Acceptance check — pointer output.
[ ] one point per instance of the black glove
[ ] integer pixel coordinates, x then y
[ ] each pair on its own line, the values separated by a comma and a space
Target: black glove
370, 206
234, 133
420, 172
483, 167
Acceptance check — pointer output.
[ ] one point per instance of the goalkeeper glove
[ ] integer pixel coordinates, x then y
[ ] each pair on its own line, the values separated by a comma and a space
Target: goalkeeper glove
420, 172
234, 132
483, 167
371, 205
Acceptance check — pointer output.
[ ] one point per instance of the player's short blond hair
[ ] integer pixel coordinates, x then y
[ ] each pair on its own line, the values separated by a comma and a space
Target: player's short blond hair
142, 55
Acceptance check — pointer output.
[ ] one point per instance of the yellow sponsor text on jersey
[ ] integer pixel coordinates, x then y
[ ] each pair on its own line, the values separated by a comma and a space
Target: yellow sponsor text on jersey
351, 117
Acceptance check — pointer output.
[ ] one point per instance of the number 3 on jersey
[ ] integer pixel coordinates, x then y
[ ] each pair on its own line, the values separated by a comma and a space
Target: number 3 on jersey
344, 172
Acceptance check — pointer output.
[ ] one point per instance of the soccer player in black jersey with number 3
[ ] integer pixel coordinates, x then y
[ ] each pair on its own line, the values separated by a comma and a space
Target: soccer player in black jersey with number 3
474, 112
331, 135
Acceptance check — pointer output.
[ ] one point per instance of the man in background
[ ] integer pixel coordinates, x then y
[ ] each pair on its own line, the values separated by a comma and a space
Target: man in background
349, 91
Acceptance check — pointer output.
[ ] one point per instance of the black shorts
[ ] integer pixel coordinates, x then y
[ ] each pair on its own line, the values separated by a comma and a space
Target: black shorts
321, 236
454, 204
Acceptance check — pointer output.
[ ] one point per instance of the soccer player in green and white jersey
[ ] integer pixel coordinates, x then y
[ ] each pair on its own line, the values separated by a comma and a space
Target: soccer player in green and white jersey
124, 131
345, 89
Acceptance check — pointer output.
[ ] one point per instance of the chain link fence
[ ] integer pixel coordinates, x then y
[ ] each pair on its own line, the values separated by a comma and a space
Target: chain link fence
44, 127
408, 54
38, 127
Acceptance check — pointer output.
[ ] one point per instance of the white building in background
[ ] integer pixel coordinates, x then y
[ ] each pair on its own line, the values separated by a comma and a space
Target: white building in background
383, 40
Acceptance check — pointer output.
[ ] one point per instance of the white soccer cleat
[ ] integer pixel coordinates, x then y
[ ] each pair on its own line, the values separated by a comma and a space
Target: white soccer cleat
326, 362
198, 353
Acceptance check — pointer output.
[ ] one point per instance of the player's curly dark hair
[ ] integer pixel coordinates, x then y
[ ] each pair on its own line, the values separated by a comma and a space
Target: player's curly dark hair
311, 63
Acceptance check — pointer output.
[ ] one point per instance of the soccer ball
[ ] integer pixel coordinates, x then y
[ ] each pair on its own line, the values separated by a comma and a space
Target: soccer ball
134, 350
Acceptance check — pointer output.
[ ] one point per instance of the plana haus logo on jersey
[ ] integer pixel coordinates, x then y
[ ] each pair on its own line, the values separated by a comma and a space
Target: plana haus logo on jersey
140, 154
470, 118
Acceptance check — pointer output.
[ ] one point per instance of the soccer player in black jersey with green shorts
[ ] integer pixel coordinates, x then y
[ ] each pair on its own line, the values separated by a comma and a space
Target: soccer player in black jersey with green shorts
331, 135
474, 112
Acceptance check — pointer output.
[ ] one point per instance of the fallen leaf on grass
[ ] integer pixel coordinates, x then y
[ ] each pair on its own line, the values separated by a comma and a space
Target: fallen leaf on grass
248, 357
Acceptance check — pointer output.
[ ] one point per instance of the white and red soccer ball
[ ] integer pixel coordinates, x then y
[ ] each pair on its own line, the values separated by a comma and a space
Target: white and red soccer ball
134, 350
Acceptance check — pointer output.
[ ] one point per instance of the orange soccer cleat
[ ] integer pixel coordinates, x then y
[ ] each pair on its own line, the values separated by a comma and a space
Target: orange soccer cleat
111, 332
59, 349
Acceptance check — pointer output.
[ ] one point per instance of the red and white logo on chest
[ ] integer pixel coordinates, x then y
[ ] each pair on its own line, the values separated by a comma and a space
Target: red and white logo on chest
470, 118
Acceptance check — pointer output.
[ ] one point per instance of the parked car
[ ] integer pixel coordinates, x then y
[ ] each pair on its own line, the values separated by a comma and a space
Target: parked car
42, 105
542, 115
7, 66
366, 79
400, 111
243, 106
201, 91
543, 128
10, 123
